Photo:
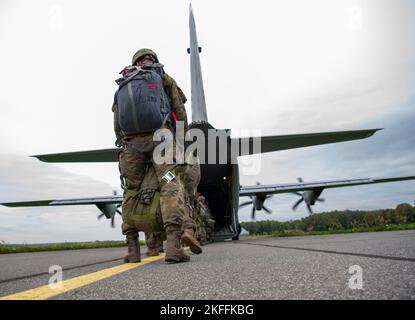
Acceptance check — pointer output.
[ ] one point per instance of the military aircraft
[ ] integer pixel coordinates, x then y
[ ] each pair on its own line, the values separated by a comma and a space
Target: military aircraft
220, 181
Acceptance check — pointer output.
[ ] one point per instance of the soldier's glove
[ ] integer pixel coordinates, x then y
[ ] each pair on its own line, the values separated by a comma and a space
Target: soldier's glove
119, 143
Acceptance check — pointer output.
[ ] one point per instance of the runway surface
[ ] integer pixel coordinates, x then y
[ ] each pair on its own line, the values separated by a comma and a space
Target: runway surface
311, 267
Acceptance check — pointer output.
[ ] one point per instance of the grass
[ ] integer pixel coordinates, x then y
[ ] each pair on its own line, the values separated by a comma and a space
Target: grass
296, 233
4, 248
58, 247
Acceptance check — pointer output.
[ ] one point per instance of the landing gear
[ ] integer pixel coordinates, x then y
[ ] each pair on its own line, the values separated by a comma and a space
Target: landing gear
239, 229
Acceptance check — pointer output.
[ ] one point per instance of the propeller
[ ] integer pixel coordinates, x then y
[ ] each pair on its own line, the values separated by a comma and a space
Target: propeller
109, 210
257, 203
309, 197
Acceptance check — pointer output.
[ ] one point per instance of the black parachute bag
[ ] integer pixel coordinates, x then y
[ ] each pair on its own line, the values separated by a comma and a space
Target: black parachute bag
143, 106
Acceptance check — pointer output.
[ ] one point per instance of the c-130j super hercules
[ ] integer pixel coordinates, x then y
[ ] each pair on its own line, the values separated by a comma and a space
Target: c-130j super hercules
220, 181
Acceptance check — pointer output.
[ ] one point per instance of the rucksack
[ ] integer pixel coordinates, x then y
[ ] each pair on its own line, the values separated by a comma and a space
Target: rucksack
143, 106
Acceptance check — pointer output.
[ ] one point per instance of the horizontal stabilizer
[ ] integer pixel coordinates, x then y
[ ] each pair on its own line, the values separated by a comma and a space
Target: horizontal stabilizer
300, 186
268, 144
103, 155
285, 142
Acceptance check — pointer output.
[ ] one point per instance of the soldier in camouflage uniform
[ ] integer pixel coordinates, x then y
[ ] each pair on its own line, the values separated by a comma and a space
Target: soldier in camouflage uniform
210, 224
133, 162
200, 220
190, 178
204, 222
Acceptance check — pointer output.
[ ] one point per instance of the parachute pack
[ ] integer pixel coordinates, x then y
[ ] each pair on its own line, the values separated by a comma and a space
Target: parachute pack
143, 106
145, 212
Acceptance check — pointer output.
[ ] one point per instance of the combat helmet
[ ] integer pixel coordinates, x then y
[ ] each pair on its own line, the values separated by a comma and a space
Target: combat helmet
142, 53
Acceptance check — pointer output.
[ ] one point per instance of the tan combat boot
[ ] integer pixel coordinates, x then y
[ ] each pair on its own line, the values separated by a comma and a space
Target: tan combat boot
152, 245
133, 255
152, 252
174, 250
188, 239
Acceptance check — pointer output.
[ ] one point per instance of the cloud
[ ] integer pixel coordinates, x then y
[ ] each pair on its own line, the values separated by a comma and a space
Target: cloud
389, 153
24, 178
281, 66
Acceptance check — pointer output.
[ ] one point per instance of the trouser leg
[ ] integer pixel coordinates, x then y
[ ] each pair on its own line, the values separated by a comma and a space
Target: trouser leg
132, 168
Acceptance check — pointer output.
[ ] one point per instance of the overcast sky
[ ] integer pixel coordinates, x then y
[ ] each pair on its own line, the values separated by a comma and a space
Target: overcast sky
284, 67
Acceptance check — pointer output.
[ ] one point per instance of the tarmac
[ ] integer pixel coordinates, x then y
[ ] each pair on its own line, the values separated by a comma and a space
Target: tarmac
378, 265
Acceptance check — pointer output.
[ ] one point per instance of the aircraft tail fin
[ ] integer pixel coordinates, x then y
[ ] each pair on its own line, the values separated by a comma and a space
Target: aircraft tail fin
199, 113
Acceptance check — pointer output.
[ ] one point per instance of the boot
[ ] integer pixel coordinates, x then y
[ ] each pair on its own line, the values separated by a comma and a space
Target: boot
133, 255
154, 243
188, 239
174, 250
152, 252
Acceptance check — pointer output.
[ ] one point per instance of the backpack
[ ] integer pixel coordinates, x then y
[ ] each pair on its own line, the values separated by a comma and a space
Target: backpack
143, 106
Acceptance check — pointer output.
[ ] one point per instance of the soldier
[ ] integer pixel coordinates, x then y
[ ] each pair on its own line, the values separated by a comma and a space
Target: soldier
210, 224
138, 154
191, 179
204, 222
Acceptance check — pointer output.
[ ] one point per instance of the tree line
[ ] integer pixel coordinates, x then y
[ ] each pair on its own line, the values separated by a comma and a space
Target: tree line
335, 220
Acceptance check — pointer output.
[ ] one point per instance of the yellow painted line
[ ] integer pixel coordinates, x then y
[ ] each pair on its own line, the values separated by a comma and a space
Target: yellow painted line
46, 292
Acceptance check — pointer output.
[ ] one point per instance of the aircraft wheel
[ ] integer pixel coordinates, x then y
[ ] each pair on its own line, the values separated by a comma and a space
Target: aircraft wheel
239, 232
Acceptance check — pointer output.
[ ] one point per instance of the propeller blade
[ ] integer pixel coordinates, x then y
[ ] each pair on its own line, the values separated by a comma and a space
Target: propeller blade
267, 210
298, 194
300, 179
297, 203
320, 199
112, 222
253, 213
309, 209
245, 204
100, 216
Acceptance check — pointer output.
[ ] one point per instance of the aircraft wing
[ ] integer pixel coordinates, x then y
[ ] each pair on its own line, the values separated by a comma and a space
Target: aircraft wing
108, 205
67, 202
268, 144
304, 186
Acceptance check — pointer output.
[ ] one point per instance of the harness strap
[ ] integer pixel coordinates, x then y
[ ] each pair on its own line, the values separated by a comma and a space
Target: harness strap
132, 193
134, 111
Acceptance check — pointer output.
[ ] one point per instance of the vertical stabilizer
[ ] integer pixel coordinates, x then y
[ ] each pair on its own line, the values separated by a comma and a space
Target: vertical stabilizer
198, 95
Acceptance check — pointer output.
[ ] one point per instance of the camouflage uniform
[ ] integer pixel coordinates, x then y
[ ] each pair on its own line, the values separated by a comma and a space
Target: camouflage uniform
200, 224
190, 179
204, 222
